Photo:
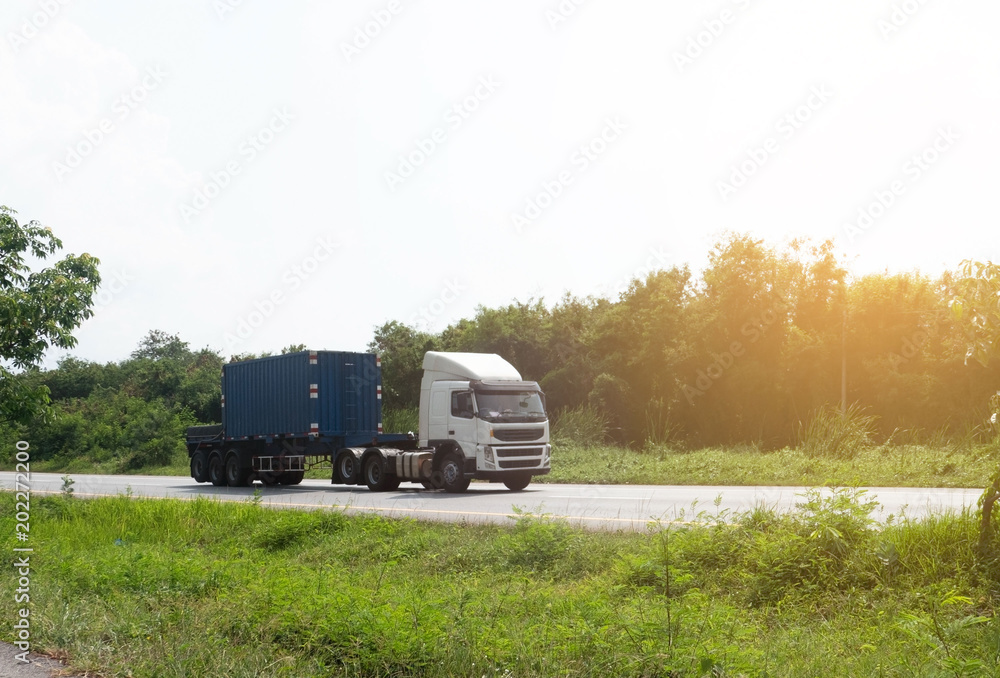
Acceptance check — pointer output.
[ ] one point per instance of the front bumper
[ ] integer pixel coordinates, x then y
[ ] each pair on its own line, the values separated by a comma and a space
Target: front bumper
500, 476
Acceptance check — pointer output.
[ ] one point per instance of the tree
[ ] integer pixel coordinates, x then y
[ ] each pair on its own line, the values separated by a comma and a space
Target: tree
157, 345
977, 306
519, 332
402, 349
38, 309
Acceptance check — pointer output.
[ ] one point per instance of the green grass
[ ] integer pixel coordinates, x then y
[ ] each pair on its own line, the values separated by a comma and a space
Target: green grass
179, 466
124, 586
884, 466
833, 450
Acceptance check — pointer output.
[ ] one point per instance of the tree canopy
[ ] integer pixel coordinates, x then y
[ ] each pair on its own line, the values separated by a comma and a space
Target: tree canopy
744, 351
39, 309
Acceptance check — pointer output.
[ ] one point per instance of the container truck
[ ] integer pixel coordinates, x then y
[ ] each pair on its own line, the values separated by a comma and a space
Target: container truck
283, 415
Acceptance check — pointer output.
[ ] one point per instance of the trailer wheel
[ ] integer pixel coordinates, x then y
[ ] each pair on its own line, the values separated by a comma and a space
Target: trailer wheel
517, 483
452, 468
291, 477
346, 467
236, 476
375, 476
216, 470
199, 466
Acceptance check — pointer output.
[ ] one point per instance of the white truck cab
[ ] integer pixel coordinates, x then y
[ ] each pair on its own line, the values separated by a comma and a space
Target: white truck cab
482, 420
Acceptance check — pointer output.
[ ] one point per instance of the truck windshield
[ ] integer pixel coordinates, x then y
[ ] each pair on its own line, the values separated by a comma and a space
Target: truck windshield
510, 406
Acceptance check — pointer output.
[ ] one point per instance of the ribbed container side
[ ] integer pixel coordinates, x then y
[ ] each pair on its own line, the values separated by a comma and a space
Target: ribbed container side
355, 378
271, 396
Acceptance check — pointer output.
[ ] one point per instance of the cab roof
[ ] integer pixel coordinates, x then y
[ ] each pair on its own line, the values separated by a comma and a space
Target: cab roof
473, 366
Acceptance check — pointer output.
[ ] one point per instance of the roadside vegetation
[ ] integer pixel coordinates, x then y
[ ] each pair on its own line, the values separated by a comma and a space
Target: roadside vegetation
883, 466
748, 353
124, 586
831, 449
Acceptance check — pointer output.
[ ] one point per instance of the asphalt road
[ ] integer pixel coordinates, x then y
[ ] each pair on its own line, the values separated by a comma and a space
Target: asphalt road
609, 507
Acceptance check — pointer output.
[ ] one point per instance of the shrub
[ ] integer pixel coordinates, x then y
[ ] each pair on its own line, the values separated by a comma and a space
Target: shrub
401, 420
281, 530
583, 426
831, 433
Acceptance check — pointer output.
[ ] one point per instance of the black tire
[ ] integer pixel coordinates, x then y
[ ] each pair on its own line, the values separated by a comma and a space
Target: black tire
453, 470
236, 476
437, 480
346, 468
517, 483
291, 477
199, 466
216, 470
374, 474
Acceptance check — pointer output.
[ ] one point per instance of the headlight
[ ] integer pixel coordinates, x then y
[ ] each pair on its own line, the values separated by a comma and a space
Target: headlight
488, 453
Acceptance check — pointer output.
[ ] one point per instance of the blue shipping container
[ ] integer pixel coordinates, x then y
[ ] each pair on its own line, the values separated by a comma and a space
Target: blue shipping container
324, 393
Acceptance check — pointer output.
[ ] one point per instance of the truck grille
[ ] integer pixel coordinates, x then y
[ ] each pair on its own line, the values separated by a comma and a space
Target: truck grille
518, 452
518, 434
519, 463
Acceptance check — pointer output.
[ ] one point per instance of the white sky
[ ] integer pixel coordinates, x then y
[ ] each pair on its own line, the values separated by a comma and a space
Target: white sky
212, 75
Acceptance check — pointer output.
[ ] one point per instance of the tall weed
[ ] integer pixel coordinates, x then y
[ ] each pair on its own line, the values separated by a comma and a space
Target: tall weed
401, 421
584, 426
840, 435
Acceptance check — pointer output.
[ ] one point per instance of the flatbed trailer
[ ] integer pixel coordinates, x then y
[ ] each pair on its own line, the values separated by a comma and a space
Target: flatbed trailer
285, 415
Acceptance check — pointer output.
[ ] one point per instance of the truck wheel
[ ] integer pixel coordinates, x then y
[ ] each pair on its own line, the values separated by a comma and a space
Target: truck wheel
347, 467
436, 482
199, 466
375, 476
216, 470
517, 484
236, 476
453, 468
291, 477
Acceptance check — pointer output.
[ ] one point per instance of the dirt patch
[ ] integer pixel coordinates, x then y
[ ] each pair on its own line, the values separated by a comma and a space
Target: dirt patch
39, 666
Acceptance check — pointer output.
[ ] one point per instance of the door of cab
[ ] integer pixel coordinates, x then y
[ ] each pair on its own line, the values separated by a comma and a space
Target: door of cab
462, 424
